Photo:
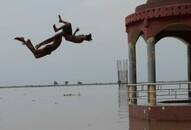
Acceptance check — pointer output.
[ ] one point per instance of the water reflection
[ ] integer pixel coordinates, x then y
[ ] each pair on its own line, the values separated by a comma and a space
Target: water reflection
123, 106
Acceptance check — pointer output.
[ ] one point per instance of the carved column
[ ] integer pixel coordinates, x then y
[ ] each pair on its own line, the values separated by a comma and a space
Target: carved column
151, 71
132, 90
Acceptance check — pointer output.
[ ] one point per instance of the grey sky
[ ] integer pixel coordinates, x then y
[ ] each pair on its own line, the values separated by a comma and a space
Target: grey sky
87, 62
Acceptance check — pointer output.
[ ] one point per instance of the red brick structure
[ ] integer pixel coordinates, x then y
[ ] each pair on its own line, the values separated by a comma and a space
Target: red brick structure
153, 21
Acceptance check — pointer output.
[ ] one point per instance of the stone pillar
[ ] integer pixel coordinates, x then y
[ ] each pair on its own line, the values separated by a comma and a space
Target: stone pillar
151, 71
132, 89
189, 70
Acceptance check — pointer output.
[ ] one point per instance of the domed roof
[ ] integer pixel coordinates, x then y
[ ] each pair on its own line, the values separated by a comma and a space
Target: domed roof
155, 3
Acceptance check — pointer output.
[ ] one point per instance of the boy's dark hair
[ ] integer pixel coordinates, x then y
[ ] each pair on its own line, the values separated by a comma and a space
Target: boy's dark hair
89, 37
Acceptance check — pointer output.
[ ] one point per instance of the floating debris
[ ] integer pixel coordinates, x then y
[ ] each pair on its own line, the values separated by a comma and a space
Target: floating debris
71, 94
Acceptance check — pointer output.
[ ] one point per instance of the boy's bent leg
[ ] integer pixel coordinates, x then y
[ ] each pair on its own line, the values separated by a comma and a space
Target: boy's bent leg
35, 52
38, 53
58, 29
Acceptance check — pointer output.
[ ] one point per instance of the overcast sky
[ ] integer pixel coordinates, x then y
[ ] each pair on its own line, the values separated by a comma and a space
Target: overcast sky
88, 62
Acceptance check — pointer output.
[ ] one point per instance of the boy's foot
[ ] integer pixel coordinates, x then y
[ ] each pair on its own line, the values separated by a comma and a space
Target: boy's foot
20, 39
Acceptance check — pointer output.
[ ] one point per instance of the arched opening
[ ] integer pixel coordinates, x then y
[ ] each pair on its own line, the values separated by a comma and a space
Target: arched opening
179, 31
171, 60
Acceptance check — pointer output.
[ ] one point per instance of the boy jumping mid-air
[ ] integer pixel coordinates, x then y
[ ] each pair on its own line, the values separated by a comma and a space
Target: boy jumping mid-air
46, 47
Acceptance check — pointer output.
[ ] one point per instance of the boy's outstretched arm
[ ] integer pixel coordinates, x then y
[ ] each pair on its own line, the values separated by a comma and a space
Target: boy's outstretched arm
77, 29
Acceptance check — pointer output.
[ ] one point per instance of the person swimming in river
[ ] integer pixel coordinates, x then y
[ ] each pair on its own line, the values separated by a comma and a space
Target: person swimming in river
46, 47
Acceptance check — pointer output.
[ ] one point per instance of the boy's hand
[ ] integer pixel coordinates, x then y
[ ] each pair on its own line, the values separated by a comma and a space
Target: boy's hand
77, 29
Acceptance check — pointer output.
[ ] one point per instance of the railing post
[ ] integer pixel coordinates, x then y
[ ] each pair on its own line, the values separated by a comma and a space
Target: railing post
132, 89
189, 70
151, 71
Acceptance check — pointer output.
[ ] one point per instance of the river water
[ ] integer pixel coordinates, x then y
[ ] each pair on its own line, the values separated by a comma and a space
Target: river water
64, 108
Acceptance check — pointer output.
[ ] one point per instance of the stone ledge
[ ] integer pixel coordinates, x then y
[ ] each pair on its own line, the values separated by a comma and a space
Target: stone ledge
163, 112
